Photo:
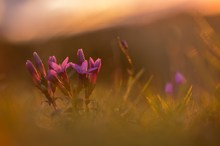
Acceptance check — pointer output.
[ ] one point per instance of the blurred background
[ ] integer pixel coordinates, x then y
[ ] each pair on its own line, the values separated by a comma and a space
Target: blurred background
163, 37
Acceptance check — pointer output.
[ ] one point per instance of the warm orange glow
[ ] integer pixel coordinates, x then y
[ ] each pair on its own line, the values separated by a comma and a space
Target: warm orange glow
208, 6
43, 19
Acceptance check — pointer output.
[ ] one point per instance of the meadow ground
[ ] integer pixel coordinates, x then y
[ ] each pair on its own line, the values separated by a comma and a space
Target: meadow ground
153, 120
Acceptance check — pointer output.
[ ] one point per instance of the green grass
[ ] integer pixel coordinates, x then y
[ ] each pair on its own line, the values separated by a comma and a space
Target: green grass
148, 119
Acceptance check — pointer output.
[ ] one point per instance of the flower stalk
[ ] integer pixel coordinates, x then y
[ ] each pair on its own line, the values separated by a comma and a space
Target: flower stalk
56, 77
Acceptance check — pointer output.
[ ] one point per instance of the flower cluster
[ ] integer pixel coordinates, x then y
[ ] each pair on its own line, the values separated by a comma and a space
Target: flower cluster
57, 77
178, 80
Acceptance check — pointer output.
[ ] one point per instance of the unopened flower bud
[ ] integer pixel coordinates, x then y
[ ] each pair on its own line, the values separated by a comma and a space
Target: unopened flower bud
39, 64
35, 76
81, 57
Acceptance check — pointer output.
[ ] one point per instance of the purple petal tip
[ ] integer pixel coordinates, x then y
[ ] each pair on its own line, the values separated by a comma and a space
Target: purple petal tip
169, 88
179, 78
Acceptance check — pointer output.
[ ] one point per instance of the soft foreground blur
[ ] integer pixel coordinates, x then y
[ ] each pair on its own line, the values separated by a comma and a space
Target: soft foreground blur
173, 97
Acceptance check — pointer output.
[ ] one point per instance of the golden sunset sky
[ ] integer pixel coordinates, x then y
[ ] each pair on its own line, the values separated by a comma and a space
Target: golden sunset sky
38, 19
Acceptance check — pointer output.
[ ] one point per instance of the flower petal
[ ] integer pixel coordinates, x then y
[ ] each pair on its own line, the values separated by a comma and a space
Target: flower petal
76, 67
169, 88
52, 76
98, 64
52, 59
92, 70
81, 56
84, 66
55, 67
64, 63
179, 78
91, 62
33, 71
80, 69
39, 64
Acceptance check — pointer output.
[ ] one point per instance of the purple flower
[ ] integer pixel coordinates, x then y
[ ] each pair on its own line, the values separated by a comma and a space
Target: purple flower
39, 65
168, 88
81, 69
51, 86
33, 71
81, 56
94, 69
51, 59
52, 76
179, 78
60, 68
61, 71
95, 64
